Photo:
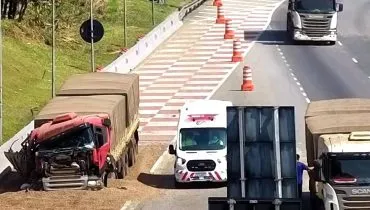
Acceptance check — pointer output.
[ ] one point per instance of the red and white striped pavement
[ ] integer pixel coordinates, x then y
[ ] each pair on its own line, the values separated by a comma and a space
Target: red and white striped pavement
194, 62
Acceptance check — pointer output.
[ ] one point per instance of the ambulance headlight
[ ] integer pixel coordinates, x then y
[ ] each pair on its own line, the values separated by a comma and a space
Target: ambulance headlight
180, 161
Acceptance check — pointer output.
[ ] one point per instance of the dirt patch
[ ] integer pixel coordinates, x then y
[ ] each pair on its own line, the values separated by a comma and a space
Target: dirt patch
112, 197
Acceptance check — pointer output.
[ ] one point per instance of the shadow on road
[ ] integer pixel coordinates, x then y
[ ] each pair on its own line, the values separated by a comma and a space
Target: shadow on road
306, 205
166, 181
280, 37
11, 183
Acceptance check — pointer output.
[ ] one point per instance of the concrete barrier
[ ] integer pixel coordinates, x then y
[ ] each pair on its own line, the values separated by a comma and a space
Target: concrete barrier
145, 46
123, 64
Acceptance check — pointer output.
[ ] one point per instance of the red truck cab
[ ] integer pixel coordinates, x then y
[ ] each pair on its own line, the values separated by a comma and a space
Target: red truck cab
72, 145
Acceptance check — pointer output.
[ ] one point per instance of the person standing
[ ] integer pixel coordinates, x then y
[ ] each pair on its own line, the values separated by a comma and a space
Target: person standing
300, 168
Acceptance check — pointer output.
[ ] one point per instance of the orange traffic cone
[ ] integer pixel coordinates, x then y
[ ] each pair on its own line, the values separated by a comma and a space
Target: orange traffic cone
247, 79
237, 51
217, 3
229, 33
220, 15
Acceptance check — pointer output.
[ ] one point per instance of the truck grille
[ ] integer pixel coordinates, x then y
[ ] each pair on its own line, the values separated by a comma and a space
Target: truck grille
201, 165
65, 182
355, 203
64, 178
316, 27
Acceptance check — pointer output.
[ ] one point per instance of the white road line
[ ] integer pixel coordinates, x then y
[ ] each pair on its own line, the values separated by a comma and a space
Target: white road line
340, 43
173, 107
126, 206
293, 76
191, 94
148, 111
162, 124
155, 97
178, 74
354, 60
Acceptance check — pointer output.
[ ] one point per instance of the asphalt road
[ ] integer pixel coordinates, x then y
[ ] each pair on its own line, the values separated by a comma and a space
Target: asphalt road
331, 71
286, 74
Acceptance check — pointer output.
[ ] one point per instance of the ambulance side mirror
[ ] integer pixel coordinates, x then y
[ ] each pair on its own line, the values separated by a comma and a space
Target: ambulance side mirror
171, 150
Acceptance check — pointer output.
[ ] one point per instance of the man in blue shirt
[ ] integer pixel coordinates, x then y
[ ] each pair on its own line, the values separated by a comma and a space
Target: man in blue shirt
300, 168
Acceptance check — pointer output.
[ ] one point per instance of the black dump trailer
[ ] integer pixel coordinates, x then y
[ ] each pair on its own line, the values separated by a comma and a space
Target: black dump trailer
264, 176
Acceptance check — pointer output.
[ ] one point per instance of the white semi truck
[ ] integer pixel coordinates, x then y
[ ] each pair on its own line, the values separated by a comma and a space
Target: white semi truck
338, 147
200, 146
313, 20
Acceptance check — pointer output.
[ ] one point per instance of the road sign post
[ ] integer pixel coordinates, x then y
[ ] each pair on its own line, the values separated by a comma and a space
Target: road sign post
53, 54
153, 20
92, 36
92, 31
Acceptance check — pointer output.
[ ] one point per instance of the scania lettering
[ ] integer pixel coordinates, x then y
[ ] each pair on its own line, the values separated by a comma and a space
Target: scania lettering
338, 147
200, 146
313, 20
360, 191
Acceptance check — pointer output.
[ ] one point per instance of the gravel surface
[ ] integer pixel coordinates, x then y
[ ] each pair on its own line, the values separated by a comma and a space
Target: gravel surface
112, 197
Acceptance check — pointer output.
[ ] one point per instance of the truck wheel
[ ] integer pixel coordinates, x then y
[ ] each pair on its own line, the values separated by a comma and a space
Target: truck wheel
132, 156
121, 172
105, 178
136, 145
126, 163
332, 42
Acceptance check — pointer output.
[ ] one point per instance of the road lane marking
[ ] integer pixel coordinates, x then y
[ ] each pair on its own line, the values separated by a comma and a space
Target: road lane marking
354, 60
292, 74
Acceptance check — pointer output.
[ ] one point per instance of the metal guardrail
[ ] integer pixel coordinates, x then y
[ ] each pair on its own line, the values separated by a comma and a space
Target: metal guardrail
188, 8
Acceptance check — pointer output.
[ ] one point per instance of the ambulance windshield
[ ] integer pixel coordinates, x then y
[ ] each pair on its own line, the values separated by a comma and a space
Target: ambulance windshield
202, 139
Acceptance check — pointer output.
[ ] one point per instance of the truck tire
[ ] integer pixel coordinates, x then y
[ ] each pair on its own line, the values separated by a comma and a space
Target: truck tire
105, 178
132, 156
122, 170
332, 42
136, 145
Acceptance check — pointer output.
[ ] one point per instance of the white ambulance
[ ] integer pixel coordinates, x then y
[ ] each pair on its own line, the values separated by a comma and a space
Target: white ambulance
200, 146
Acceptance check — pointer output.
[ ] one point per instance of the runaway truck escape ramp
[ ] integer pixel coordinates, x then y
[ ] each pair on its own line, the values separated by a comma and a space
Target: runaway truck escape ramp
257, 179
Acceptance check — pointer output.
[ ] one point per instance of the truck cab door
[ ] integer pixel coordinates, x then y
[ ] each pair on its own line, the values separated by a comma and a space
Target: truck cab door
102, 143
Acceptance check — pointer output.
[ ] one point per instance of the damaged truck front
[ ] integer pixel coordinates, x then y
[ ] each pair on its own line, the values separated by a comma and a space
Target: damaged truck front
84, 134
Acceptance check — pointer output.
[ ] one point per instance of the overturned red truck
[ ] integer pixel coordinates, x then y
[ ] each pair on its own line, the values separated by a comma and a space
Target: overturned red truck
88, 132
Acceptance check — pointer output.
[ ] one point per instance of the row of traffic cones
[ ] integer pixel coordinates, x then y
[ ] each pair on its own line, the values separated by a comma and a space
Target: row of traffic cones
237, 56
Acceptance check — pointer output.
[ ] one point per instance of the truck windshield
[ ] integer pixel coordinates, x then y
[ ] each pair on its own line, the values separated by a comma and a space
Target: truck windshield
202, 139
315, 6
75, 138
353, 170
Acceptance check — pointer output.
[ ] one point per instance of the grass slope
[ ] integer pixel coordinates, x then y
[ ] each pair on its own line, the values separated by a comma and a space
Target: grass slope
27, 50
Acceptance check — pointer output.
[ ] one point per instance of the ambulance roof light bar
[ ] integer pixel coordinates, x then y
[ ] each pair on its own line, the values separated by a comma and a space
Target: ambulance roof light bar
196, 117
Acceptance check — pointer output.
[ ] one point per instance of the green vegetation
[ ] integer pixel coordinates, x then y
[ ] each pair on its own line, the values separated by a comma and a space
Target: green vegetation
27, 48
